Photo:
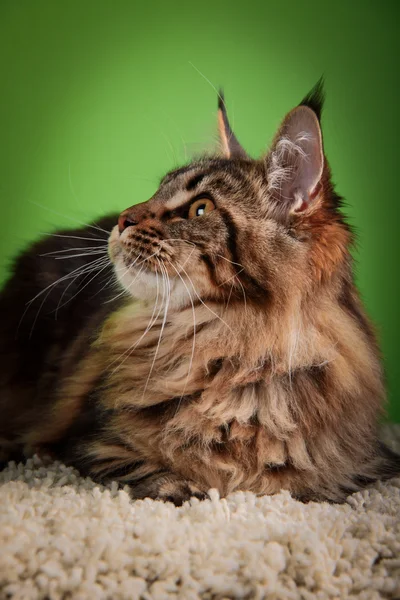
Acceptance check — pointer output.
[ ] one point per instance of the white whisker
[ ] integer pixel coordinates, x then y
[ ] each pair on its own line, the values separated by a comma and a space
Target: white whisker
97, 248
76, 237
80, 271
45, 298
244, 296
150, 324
83, 267
230, 278
69, 218
201, 300
94, 253
81, 289
167, 289
194, 335
230, 294
87, 273
109, 280
230, 261
185, 242
124, 291
177, 240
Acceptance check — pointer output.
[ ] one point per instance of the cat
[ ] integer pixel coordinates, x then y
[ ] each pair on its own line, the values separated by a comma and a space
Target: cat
235, 353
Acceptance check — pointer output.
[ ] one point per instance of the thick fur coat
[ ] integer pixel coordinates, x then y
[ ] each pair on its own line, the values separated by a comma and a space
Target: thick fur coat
235, 354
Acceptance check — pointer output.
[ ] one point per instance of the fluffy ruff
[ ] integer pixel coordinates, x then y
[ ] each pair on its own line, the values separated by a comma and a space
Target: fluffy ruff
63, 536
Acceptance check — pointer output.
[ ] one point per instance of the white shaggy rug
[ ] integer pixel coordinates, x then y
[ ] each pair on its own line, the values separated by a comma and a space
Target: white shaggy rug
63, 537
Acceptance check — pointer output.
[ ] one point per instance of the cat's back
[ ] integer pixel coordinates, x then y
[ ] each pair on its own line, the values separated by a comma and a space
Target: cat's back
60, 291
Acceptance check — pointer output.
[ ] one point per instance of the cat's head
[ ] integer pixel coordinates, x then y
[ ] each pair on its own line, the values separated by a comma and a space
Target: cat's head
232, 229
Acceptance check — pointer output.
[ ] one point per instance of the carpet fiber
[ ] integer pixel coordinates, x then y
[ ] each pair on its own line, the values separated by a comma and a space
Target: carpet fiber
62, 536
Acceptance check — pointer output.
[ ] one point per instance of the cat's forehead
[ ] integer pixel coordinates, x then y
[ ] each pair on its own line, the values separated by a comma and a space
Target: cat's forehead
214, 171
222, 179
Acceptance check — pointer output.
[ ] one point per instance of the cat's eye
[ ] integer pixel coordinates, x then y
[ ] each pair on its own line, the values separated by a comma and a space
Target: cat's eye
200, 207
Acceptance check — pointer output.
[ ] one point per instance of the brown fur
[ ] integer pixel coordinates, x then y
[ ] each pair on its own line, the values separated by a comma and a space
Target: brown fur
261, 374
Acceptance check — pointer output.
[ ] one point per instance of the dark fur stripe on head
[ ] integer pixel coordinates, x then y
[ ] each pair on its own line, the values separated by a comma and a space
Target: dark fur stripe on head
194, 181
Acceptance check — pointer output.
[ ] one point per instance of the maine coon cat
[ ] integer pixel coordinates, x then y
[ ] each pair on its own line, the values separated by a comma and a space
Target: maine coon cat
236, 353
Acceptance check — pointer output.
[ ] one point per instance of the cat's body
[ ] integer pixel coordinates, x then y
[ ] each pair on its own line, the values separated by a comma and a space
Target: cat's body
246, 361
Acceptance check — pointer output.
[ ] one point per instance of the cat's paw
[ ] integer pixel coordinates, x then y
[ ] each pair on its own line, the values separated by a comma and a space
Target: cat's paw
168, 487
179, 491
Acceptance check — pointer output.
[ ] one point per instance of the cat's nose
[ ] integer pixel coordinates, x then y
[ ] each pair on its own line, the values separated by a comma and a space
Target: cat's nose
133, 216
126, 220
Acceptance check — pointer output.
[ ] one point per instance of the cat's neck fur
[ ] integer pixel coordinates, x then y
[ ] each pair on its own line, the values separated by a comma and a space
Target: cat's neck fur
174, 356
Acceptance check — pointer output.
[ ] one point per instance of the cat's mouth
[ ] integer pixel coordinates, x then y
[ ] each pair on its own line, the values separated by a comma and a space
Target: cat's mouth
146, 272
136, 252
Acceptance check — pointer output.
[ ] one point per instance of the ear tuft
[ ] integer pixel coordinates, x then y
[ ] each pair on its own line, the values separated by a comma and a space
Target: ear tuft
315, 98
230, 146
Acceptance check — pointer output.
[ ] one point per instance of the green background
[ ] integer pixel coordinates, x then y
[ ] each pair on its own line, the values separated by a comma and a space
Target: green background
99, 99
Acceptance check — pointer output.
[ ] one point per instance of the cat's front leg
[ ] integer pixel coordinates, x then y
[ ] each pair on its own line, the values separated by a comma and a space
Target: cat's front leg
144, 479
168, 487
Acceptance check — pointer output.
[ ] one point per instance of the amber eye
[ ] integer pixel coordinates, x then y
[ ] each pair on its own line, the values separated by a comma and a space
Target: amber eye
201, 207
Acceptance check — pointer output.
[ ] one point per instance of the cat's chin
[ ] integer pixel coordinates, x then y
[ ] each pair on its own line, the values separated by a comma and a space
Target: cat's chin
147, 286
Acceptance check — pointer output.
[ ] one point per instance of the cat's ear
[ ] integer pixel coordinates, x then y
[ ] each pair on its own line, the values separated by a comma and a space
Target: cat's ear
295, 163
230, 146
